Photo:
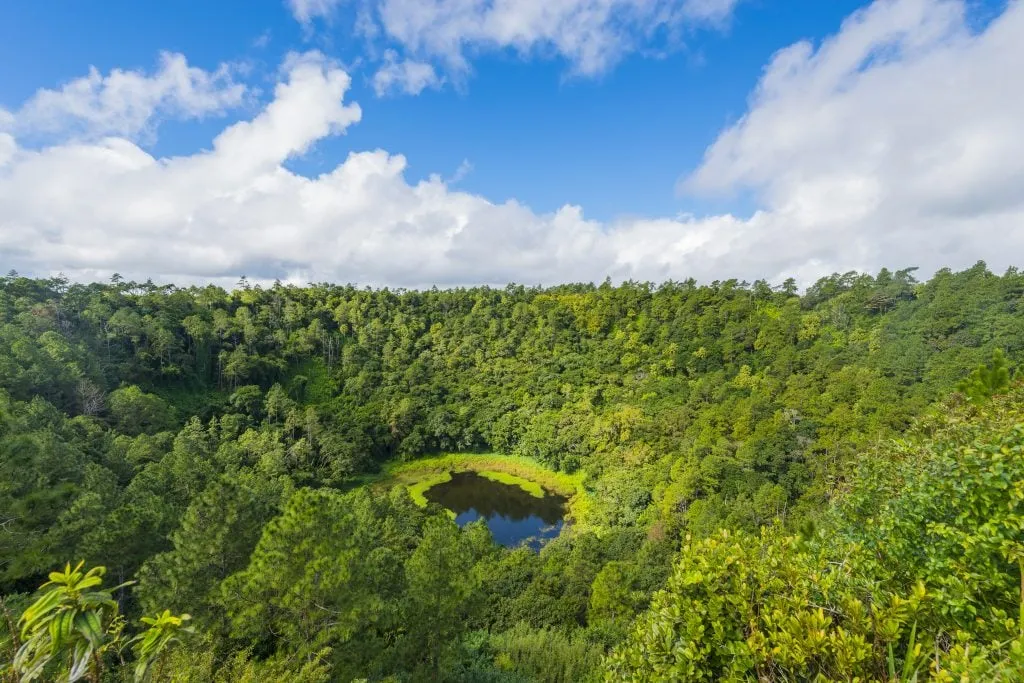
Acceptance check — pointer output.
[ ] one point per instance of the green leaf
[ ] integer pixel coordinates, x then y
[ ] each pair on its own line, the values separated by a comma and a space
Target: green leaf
88, 624
80, 661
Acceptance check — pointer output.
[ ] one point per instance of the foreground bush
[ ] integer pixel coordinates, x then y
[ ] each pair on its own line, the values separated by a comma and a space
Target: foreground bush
916, 574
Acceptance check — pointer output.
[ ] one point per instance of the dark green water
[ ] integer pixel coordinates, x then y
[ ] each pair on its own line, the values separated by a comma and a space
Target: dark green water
513, 515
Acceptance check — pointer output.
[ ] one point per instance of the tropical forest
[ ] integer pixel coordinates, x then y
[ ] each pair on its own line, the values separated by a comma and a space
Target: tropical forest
727, 481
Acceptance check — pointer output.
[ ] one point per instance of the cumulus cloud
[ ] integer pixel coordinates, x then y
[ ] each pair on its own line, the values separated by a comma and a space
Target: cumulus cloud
896, 142
898, 138
404, 76
7, 148
125, 103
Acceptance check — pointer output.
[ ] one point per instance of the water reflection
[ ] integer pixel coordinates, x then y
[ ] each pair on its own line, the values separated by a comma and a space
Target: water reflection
513, 515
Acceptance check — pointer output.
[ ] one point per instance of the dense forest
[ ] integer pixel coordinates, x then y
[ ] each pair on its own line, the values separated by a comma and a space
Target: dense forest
779, 485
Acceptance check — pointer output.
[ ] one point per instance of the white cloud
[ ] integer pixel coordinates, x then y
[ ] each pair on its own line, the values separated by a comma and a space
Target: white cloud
464, 169
709, 10
895, 143
262, 40
306, 11
591, 34
896, 140
125, 103
7, 148
405, 76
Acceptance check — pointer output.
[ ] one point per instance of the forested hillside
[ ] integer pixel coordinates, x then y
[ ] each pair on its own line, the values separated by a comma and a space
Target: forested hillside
778, 486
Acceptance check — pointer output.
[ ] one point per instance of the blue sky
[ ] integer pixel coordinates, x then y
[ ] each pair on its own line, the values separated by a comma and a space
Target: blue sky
529, 129
616, 142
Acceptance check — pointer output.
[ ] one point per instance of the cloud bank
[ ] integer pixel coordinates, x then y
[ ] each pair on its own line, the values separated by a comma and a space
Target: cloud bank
895, 142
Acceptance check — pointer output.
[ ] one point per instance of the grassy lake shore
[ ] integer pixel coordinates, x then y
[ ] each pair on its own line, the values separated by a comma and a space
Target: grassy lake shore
420, 475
